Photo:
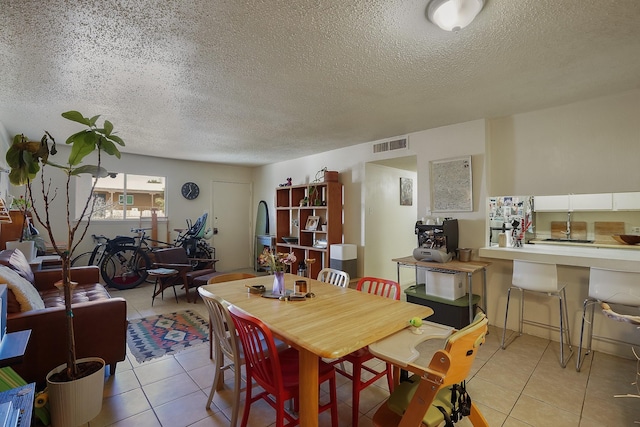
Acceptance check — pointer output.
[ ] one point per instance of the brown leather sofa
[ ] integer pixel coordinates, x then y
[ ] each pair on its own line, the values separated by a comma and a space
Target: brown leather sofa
100, 322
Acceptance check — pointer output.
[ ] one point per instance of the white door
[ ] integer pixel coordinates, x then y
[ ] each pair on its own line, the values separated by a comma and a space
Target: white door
232, 225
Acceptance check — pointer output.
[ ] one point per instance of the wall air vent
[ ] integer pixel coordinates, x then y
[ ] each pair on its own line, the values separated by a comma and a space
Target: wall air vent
381, 147
396, 144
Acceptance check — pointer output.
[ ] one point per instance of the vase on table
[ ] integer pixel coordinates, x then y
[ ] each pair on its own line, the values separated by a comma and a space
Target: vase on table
278, 283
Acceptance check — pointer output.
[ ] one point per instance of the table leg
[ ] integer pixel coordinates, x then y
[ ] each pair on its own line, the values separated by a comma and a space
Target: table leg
469, 276
309, 388
484, 289
155, 286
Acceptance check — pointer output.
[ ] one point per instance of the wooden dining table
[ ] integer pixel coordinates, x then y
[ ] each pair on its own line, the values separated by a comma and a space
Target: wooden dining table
332, 324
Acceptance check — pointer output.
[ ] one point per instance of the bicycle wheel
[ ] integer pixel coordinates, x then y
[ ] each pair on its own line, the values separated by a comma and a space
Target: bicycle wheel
125, 267
89, 258
82, 260
202, 252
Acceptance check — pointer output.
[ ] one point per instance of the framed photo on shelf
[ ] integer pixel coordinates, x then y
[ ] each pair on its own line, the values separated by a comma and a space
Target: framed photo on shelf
312, 223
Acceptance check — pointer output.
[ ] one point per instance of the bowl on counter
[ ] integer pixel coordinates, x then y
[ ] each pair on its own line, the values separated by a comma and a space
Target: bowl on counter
627, 239
291, 240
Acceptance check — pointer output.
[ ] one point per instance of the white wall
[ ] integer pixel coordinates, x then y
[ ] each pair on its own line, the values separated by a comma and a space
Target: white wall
586, 147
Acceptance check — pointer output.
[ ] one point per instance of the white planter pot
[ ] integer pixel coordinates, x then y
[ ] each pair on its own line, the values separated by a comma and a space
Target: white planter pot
76, 402
28, 248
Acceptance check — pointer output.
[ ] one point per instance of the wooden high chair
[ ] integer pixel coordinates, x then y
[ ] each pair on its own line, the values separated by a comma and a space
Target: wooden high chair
413, 403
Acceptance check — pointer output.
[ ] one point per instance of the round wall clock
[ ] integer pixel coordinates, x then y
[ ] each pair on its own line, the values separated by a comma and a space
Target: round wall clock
190, 190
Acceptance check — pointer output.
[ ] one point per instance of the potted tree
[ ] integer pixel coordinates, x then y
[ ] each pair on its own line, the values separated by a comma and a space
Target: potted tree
26, 159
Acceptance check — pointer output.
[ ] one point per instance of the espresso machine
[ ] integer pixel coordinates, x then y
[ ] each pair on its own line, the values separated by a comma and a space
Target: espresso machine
436, 242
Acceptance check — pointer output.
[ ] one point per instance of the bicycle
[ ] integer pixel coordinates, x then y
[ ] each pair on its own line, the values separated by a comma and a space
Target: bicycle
95, 256
123, 265
124, 261
194, 240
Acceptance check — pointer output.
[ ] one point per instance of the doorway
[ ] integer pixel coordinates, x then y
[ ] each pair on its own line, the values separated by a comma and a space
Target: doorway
232, 224
388, 224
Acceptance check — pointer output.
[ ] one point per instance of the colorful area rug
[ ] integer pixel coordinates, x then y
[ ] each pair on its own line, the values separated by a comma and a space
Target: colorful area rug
155, 336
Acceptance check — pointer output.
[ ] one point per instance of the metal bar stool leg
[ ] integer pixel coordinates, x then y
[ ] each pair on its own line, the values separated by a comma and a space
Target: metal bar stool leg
521, 319
581, 357
564, 328
506, 314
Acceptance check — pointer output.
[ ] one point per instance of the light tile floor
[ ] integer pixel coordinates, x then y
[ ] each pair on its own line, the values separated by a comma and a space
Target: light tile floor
520, 386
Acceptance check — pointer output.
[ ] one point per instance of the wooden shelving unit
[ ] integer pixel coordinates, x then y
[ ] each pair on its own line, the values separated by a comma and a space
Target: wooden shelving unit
325, 201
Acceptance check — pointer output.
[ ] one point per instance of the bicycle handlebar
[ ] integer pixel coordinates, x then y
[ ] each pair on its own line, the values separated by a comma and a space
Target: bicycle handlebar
139, 230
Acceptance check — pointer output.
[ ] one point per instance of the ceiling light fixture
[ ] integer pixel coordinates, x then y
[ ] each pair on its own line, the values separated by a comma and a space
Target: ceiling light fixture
452, 15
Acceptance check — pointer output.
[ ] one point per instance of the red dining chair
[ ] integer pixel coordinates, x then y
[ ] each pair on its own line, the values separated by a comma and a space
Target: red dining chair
277, 373
388, 289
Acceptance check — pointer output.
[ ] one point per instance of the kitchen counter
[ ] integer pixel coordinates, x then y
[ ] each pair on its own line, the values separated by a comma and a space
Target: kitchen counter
596, 244
617, 257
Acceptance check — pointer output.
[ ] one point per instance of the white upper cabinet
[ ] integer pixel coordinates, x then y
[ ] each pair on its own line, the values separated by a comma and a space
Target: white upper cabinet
626, 201
588, 202
591, 202
551, 203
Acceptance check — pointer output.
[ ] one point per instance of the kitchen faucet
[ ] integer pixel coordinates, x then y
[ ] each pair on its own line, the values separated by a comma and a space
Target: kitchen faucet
568, 231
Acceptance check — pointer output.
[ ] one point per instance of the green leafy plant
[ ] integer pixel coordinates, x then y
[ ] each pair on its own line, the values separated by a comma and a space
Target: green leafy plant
26, 159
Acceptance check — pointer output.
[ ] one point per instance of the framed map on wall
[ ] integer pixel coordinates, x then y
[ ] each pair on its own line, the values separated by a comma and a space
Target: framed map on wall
451, 185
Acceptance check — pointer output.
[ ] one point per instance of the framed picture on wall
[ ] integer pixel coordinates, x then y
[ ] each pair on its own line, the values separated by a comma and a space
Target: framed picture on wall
312, 223
451, 185
406, 192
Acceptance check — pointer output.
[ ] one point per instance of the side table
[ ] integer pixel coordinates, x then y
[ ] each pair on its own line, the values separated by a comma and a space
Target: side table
164, 278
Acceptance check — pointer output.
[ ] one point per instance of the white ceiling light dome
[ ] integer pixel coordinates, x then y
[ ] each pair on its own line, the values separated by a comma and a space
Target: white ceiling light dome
452, 15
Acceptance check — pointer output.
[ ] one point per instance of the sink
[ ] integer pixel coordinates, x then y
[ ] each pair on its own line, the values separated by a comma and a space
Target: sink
569, 240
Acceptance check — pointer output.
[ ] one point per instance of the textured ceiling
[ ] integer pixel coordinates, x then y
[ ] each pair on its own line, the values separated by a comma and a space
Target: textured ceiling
247, 82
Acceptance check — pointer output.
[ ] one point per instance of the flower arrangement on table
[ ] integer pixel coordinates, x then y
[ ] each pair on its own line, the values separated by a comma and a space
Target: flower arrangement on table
276, 261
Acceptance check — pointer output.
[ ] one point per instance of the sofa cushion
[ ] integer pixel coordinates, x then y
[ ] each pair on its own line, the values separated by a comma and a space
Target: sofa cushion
15, 259
24, 291
81, 293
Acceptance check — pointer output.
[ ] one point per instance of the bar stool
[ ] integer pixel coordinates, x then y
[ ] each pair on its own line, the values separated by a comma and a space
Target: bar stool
541, 278
607, 286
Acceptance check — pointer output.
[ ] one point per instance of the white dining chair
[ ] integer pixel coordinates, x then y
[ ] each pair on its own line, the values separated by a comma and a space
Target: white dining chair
335, 277
226, 344
541, 278
610, 287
